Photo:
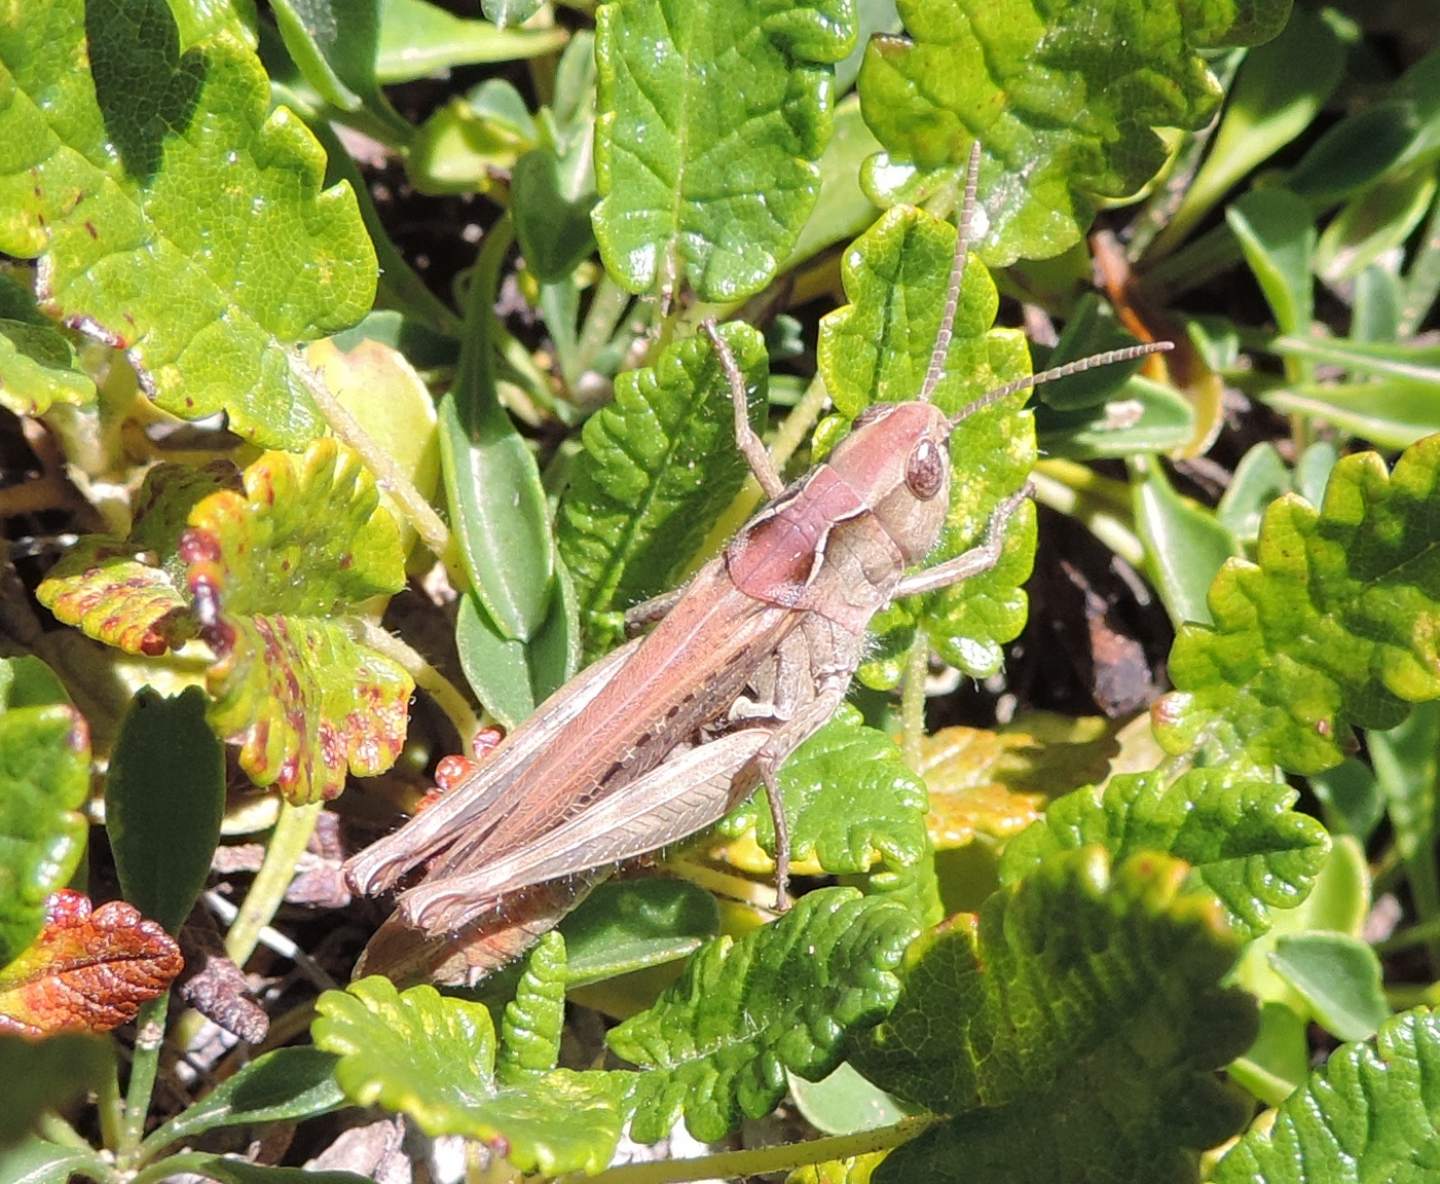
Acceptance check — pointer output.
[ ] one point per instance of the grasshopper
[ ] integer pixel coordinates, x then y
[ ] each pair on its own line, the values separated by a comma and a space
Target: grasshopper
663, 736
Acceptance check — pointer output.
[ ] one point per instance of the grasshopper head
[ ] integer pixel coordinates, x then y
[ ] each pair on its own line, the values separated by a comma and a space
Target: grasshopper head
897, 458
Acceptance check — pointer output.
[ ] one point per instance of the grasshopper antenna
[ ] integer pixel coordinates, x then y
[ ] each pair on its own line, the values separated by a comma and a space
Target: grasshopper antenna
1127, 354
957, 278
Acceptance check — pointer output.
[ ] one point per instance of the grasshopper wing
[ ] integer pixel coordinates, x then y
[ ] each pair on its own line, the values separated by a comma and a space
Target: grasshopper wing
472, 809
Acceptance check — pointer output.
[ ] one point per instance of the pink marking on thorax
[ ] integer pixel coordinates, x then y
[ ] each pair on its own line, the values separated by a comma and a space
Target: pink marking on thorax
773, 559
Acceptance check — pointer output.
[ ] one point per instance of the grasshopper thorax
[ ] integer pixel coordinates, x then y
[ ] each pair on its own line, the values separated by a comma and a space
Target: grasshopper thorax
897, 460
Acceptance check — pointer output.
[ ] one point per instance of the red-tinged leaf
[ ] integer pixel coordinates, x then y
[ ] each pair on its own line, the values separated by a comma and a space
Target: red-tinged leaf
269, 568
90, 969
128, 592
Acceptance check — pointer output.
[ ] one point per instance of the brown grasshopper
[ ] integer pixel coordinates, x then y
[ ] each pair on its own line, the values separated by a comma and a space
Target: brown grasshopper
662, 737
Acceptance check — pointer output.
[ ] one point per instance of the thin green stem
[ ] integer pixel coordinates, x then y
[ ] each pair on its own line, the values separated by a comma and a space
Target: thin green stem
111, 1108
912, 699
55, 1129
1092, 507
1416, 935
149, 1038
755, 1161
418, 512
602, 318
446, 695
287, 843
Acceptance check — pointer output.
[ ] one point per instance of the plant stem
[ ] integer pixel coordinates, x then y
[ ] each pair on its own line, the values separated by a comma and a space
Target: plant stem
1416, 935
1092, 503
52, 1127
723, 883
287, 843
418, 512
149, 1037
753, 1161
602, 318
112, 1117
912, 699
447, 696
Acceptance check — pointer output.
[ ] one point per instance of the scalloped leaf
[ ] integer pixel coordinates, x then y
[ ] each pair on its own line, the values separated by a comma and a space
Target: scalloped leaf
698, 103
1062, 98
433, 1058
271, 575
113, 590
1241, 837
659, 465
531, 1028
1085, 995
1370, 1113
876, 349
851, 802
1333, 626
44, 780
109, 177
996, 783
717, 1043
38, 365
89, 970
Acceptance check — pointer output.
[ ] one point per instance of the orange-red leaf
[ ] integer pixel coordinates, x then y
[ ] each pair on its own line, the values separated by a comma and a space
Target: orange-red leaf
89, 970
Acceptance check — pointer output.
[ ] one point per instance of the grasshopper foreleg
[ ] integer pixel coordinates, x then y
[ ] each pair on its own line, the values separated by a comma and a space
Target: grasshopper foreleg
971, 563
752, 448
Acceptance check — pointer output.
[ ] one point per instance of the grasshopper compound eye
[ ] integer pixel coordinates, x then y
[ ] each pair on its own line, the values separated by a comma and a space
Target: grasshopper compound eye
925, 470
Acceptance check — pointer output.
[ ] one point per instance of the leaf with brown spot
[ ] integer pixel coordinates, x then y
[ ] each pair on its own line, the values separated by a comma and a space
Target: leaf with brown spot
89, 970
268, 567
996, 783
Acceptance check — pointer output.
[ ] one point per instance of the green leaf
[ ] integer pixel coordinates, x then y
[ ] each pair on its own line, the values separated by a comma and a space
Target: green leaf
418, 39
509, 12
658, 465
272, 574
1142, 416
845, 1102
42, 1074
1185, 544
1085, 995
1330, 628
1368, 1114
35, 1161
850, 800
109, 178
1260, 477
1374, 222
433, 1059
1278, 90
697, 103
497, 505
461, 147
1062, 99
553, 187
877, 348
334, 42
1276, 1063
44, 780
1242, 839
717, 1043
1406, 763
281, 1086
534, 1019
1339, 977
511, 678
1389, 412
164, 798
629, 925
1276, 230
38, 365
